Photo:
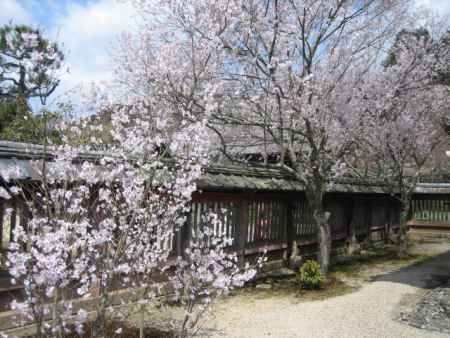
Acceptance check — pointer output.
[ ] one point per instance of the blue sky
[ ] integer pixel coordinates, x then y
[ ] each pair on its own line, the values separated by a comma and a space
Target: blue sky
87, 30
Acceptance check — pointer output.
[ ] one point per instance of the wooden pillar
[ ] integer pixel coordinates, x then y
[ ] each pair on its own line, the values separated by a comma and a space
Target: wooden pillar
178, 241
350, 218
2, 213
14, 214
289, 233
351, 223
242, 227
368, 216
183, 235
388, 220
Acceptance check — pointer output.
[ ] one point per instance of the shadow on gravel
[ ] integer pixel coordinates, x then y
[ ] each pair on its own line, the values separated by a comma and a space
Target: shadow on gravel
427, 274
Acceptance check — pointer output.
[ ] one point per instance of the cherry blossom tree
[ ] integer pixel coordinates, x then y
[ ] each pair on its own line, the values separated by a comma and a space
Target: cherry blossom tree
273, 77
206, 272
404, 107
103, 221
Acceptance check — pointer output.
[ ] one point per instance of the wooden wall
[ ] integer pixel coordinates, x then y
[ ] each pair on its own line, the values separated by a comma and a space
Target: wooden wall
272, 221
258, 221
430, 209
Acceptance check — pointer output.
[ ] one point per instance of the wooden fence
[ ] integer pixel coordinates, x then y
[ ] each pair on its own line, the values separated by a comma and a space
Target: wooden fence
272, 221
430, 210
254, 221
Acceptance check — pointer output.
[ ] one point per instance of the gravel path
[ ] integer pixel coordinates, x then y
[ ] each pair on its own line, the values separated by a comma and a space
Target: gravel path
368, 312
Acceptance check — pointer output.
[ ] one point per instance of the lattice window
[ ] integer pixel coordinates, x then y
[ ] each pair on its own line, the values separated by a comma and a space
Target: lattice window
266, 220
303, 221
11, 213
227, 213
431, 209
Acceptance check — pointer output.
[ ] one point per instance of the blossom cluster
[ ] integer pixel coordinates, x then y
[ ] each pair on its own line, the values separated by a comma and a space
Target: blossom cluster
206, 271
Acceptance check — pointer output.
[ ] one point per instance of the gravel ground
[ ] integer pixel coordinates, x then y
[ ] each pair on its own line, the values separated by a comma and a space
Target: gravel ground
368, 312
431, 311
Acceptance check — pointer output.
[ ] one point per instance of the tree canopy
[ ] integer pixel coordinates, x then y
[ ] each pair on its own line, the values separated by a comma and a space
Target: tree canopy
28, 63
29, 69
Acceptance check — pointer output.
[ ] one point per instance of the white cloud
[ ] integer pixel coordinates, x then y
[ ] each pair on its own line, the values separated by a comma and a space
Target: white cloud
88, 30
442, 7
12, 10
87, 33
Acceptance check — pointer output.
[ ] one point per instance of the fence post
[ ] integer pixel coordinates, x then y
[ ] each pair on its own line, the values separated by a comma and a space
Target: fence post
178, 241
13, 221
368, 217
350, 219
183, 235
351, 240
2, 207
289, 229
242, 227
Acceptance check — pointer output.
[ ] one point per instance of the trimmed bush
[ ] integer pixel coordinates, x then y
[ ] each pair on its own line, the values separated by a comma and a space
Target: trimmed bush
309, 276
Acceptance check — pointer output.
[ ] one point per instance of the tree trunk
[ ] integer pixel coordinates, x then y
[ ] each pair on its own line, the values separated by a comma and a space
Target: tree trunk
99, 324
321, 217
314, 194
402, 247
142, 323
352, 242
39, 330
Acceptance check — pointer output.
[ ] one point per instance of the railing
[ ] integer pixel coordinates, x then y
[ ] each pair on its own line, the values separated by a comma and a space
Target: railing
254, 221
273, 221
11, 213
430, 210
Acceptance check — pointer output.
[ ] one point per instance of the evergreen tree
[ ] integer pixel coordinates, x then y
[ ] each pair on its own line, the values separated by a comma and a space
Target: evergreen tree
29, 68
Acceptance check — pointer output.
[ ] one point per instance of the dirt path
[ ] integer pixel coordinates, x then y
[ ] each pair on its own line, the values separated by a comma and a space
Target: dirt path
368, 312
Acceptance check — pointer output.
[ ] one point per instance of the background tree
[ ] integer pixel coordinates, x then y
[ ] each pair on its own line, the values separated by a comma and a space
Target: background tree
29, 66
97, 126
275, 76
403, 110
443, 45
28, 127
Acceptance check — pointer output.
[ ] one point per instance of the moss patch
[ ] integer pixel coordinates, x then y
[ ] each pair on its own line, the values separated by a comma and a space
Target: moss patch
345, 276
289, 287
372, 262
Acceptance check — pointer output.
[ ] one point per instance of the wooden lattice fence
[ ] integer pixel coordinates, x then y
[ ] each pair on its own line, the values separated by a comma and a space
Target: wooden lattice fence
272, 221
430, 210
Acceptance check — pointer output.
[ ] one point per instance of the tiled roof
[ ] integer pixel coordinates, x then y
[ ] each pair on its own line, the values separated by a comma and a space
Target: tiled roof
29, 158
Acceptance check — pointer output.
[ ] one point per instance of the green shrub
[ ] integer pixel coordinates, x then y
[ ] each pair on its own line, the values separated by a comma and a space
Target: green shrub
309, 276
